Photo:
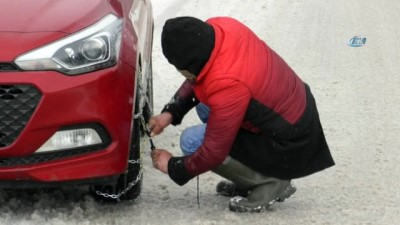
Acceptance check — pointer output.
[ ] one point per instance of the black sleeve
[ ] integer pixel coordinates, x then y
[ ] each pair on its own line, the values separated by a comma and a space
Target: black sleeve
177, 171
181, 103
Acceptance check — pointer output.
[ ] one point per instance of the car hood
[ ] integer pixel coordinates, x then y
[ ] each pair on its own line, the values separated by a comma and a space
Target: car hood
31, 24
66, 16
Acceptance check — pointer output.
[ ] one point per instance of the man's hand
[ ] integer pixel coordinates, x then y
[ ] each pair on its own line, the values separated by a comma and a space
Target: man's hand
160, 159
159, 122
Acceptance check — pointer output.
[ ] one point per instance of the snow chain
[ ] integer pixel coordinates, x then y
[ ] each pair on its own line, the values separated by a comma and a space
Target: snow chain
130, 185
139, 176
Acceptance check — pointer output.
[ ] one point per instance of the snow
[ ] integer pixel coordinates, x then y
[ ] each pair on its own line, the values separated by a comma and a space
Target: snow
357, 92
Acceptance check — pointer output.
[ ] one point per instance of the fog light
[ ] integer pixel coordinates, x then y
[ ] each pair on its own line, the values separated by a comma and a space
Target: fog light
67, 139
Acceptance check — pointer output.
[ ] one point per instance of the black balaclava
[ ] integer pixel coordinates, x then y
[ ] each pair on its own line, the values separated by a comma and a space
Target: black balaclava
187, 43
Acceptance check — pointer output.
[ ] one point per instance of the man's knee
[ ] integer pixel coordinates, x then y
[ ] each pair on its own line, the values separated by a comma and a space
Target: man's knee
191, 139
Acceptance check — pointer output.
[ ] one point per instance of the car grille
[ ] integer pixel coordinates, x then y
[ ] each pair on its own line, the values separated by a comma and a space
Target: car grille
17, 103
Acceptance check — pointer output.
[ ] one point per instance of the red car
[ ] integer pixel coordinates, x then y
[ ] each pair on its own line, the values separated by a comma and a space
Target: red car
75, 84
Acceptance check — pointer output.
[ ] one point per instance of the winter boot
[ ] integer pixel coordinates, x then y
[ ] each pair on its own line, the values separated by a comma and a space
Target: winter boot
238, 183
256, 191
261, 197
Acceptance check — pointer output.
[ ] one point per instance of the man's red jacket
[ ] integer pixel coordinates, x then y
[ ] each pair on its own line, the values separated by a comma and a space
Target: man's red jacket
247, 86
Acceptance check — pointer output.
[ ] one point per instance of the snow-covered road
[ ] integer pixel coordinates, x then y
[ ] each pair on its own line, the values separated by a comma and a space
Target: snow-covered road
358, 95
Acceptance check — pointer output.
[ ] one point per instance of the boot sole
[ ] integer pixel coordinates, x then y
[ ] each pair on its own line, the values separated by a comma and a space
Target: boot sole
234, 205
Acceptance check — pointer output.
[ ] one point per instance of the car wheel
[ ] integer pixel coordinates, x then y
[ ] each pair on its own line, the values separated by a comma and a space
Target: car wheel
148, 106
129, 185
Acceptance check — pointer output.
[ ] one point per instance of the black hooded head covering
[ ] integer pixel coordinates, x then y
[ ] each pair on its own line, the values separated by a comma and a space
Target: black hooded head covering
187, 43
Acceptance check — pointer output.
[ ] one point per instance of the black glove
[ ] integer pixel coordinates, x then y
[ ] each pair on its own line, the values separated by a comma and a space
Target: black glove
177, 170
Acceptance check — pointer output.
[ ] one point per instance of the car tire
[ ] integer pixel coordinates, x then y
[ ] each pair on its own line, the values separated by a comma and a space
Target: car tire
148, 107
109, 193
133, 174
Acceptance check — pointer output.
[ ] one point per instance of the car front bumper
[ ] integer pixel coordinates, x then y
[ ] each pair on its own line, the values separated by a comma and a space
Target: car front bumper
103, 99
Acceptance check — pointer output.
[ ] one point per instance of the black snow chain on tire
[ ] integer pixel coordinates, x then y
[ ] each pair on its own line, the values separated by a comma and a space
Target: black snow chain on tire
139, 176
133, 183
129, 186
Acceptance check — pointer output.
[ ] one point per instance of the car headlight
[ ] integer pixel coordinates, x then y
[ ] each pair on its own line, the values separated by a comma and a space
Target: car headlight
93, 48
